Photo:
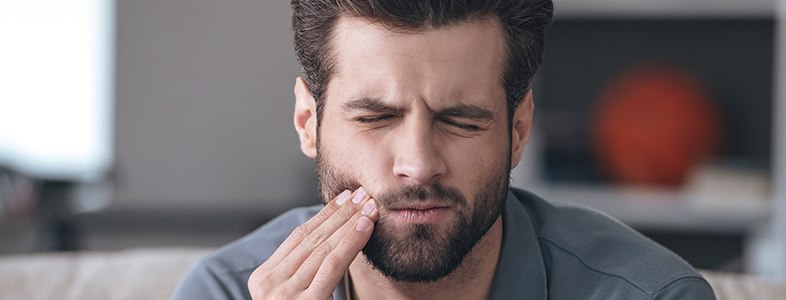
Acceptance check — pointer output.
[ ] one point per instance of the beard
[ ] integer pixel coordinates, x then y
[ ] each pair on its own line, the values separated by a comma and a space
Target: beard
424, 252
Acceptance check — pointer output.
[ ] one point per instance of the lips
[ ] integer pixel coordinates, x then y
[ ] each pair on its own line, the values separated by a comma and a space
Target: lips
420, 213
417, 206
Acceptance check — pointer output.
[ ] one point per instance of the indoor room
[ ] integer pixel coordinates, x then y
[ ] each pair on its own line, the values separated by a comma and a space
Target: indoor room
139, 137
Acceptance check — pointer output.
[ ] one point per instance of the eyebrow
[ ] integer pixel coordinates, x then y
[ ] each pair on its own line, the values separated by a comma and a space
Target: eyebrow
464, 111
370, 104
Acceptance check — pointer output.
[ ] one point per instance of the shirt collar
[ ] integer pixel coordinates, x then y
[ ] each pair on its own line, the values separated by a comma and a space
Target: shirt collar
520, 270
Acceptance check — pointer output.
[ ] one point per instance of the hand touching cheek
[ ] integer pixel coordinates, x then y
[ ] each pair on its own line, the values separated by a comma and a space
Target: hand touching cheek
313, 259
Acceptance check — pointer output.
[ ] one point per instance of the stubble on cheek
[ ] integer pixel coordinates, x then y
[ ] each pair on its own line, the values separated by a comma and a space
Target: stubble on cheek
331, 181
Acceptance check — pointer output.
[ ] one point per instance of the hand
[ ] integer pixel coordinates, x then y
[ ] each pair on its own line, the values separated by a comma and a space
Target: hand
313, 259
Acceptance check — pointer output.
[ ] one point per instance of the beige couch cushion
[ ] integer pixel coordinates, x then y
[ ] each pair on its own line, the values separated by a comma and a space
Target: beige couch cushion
129, 274
737, 286
153, 273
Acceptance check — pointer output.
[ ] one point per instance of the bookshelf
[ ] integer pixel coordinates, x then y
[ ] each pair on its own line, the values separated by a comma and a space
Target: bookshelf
744, 76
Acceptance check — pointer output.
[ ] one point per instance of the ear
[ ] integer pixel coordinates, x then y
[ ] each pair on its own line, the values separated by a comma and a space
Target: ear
305, 118
522, 128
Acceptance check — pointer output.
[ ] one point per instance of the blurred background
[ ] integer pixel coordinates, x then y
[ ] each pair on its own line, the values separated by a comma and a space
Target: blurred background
168, 123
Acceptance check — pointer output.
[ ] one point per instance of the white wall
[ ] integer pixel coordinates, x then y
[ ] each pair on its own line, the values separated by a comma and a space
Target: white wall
204, 107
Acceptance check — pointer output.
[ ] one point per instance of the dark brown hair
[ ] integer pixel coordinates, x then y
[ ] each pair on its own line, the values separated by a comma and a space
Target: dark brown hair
523, 22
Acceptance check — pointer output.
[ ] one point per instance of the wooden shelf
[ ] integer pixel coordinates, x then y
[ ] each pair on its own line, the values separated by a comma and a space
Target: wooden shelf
664, 9
665, 210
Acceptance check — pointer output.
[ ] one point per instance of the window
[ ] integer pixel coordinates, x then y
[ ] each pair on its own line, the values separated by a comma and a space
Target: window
56, 82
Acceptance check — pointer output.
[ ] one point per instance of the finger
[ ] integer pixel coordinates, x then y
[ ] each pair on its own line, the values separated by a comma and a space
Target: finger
369, 209
294, 260
337, 262
305, 274
305, 229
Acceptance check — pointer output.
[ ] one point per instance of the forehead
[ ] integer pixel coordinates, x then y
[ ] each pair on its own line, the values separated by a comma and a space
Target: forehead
455, 63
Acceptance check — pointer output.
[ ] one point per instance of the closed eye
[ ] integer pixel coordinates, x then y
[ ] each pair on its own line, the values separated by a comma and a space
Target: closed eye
374, 119
460, 125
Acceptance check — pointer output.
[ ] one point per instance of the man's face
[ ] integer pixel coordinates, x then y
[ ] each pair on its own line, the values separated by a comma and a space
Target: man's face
420, 121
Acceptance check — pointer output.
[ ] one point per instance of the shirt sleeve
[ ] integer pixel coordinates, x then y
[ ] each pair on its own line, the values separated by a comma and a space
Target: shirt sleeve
686, 288
204, 281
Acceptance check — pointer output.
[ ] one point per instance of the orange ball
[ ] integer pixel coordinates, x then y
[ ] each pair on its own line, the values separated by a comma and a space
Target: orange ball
653, 125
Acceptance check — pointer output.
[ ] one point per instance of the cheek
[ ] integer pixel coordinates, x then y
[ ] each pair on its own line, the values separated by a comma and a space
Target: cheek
475, 161
360, 155
476, 151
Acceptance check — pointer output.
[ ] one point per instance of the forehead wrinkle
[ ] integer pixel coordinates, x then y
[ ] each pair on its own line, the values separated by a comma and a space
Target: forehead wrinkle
426, 33
391, 90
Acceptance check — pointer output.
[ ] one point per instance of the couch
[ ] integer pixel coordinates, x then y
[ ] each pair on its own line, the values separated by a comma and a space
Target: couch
153, 273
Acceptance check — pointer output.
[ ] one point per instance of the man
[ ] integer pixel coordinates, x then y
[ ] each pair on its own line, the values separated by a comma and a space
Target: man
416, 111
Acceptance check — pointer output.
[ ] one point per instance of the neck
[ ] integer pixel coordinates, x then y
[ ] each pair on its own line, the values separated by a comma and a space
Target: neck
471, 280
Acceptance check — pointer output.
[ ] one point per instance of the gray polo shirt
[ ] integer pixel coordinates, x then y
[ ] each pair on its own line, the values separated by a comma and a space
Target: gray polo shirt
549, 250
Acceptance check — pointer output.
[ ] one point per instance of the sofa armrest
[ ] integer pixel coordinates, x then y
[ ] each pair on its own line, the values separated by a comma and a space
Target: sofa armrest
743, 286
151, 273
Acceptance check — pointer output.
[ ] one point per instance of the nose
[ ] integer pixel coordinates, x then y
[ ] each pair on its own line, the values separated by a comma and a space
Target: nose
418, 159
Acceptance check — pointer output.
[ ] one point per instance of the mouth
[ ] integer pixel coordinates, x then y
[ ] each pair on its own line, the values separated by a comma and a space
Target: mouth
419, 213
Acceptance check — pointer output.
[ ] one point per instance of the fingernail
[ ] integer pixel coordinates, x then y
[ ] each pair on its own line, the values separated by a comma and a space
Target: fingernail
368, 208
359, 195
363, 224
342, 198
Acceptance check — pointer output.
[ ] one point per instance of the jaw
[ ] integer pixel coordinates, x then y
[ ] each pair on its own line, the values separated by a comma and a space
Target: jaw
472, 279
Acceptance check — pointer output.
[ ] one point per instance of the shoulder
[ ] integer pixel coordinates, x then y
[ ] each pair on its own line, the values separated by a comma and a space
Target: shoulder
253, 249
224, 273
583, 245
